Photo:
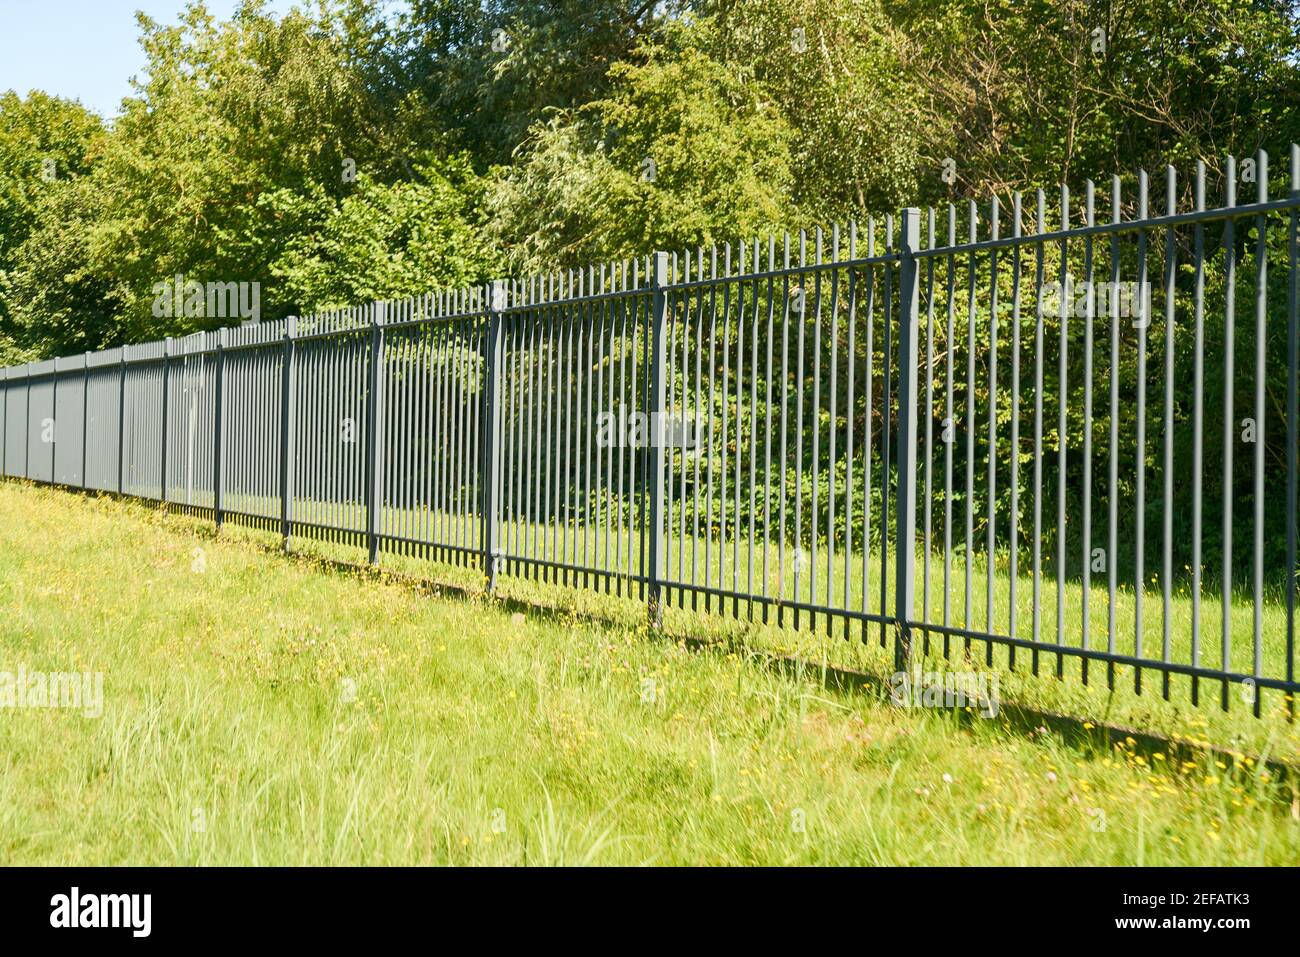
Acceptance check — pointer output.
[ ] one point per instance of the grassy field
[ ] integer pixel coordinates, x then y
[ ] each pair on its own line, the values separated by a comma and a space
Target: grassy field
265, 710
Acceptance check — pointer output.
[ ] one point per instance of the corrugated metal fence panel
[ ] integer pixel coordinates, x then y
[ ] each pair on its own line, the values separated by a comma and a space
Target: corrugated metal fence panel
432, 376
191, 384
254, 364
69, 419
15, 437
574, 374
142, 426
330, 424
104, 376
40, 422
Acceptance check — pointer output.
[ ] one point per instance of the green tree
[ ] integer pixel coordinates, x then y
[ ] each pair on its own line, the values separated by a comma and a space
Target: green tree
837, 71
383, 240
45, 142
680, 154
490, 70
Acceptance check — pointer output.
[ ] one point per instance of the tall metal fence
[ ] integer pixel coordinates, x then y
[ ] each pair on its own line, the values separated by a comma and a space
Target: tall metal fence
1066, 434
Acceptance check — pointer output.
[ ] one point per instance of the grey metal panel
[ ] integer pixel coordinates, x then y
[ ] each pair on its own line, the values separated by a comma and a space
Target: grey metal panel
69, 423
41, 426
102, 424
191, 386
142, 428
15, 437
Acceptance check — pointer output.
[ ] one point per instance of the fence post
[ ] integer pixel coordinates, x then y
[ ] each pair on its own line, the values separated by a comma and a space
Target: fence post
288, 393
166, 400
85, 411
121, 419
655, 414
27, 428
905, 501
4, 422
219, 431
374, 422
492, 426
54, 418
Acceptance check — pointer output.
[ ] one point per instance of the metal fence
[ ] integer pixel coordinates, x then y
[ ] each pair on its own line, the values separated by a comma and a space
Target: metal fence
904, 430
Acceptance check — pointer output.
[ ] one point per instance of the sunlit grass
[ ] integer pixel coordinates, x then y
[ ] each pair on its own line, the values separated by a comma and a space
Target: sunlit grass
260, 709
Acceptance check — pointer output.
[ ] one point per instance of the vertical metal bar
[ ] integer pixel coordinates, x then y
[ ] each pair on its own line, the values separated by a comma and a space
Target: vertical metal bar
927, 543
950, 427
637, 478
555, 460
725, 468
699, 402
905, 539
1040, 227
492, 438
654, 530
85, 408
992, 479
166, 397
816, 429
54, 432
1171, 307
1061, 433
671, 498
1013, 572
753, 429
374, 427
868, 390
991, 532
585, 384
1090, 213
626, 490
830, 441
850, 403
1229, 376
785, 448
1198, 424
670, 449
886, 392
27, 437
1112, 490
1261, 370
288, 393
219, 431
798, 428
967, 623
1144, 320
4, 421
1292, 422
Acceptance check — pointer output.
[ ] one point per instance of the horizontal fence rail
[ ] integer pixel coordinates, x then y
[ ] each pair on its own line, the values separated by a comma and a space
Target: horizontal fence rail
1065, 427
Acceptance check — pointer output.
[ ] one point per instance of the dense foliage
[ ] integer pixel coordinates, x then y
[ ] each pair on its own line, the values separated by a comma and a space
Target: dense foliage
358, 149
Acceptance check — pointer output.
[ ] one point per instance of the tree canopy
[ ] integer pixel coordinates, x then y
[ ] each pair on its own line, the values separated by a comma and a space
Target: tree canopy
351, 149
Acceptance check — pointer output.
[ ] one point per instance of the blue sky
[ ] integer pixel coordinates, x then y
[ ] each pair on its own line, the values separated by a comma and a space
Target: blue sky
83, 49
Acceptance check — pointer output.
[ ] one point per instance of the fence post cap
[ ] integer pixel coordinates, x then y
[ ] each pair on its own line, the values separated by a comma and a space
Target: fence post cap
660, 267
290, 326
